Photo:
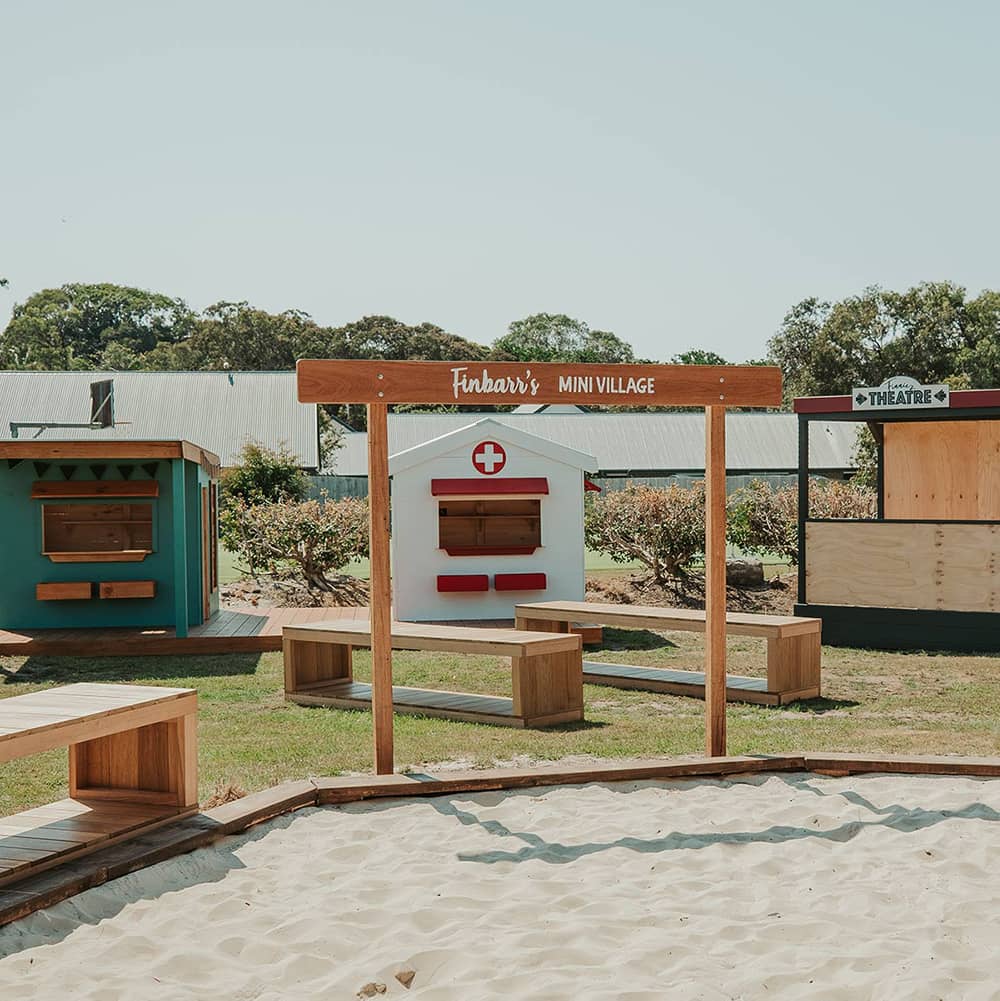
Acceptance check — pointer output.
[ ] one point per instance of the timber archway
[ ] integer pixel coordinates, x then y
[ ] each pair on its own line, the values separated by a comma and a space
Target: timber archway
380, 384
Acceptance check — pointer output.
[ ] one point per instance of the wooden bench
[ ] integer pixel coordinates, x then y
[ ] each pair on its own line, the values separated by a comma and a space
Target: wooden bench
793, 649
546, 669
132, 767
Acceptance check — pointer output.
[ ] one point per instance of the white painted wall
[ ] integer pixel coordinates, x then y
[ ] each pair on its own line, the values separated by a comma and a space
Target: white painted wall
417, 560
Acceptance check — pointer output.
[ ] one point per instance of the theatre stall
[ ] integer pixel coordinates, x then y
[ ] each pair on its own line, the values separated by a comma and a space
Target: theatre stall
925, 572
108, 533
484, 518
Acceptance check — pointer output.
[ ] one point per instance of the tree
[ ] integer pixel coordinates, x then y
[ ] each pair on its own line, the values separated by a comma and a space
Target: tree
71, 327
239, 336
696, 356
557, 337
309, 539
663, 529
389, 338
932, 332
264, 475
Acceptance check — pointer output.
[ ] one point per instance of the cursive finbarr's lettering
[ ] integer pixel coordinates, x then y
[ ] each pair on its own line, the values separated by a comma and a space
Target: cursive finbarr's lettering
510, 385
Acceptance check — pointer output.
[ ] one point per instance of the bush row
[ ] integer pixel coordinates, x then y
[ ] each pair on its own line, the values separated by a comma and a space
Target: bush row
664, 529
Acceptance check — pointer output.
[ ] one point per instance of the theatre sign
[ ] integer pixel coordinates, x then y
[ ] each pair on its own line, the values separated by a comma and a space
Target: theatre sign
899, 393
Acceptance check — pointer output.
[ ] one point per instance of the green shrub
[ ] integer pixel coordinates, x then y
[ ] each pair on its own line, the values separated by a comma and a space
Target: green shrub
762, 520
664, 529
309, 539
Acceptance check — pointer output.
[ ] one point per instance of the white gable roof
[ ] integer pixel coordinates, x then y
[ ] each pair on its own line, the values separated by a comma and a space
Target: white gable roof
487, 427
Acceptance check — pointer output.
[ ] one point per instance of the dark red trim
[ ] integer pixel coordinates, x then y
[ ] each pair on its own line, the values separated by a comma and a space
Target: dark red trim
450, 583
821, 404
491, 550
588, 486
520, 582
975, 398
959, 399
494, 487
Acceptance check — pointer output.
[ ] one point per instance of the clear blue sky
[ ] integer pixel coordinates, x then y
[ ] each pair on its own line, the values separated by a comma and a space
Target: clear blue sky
678, 172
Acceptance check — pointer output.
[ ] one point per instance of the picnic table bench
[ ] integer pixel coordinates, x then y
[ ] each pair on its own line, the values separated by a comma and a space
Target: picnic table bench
546, 671
793, 649
132, 767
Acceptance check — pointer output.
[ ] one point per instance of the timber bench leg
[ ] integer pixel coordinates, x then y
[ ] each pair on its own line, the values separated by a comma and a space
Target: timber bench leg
312, 665
793, 666
156, 763
548, 688
541, 625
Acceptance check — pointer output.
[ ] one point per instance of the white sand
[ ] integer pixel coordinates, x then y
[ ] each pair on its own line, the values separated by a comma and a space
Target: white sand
789, 886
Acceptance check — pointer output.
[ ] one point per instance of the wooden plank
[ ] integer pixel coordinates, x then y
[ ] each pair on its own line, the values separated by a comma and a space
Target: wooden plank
414, 702
903, 764
230, 818
690, 684
17, 874
91, 449
653, 617
99, 556
380, 585
382, 382
43, 489
63, 591
932, 470
347, 789
31, 733
437, 636
903, 565
715, 581
127, 589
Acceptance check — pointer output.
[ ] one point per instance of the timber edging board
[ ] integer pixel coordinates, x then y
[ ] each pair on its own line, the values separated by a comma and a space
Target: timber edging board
18, 900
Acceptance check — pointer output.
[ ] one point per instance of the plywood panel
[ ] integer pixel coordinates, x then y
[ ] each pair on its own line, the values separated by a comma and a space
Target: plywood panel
943, 470
894, 565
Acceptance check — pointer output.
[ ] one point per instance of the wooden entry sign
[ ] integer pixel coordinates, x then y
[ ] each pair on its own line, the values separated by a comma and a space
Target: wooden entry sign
380, 384
330, 381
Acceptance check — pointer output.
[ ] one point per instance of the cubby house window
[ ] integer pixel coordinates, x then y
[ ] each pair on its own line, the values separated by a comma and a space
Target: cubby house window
97, 532
490, 526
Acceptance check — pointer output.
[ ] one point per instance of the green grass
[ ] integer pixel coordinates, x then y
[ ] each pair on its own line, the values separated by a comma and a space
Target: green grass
229, 570
874, 702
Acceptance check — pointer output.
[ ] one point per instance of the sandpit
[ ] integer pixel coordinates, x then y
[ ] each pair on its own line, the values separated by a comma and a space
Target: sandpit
774, 886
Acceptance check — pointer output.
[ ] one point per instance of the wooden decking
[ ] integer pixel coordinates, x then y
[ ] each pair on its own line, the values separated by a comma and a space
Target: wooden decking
415, 702
690, 683
226, 632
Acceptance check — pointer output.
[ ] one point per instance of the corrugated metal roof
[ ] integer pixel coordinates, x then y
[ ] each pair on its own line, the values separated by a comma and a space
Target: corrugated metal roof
218, 410
636, 443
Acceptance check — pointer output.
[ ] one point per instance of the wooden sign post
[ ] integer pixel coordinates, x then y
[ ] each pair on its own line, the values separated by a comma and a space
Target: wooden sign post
382, 383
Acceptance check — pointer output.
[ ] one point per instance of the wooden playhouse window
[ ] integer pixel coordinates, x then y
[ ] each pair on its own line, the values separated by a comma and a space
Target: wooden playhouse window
490, 526
97, 532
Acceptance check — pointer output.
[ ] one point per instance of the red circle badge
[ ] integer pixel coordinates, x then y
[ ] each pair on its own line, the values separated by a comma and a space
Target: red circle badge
489, 457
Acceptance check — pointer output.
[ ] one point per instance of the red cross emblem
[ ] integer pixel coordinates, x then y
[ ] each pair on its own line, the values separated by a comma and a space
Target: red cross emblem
489, 457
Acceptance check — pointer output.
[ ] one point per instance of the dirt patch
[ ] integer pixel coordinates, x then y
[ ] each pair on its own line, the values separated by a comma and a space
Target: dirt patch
293, 593
774, 597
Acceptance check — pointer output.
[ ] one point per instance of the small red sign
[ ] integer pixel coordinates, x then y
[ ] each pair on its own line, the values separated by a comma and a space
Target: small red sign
488, 457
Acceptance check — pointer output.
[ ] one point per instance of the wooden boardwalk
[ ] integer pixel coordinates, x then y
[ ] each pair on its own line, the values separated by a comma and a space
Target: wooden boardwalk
228, 631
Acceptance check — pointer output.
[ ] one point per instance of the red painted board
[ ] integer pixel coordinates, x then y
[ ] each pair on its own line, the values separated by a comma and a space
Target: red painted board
451, 583
493, 487
519, 582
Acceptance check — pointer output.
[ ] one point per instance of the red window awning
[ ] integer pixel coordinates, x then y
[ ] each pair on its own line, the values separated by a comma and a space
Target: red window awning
490, 486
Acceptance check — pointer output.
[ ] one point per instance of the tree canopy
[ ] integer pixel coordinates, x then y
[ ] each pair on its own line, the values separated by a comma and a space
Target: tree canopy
933, 332
71, 327
557, 337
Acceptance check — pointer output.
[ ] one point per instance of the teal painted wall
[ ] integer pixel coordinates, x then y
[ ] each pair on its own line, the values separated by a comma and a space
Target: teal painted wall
22, 564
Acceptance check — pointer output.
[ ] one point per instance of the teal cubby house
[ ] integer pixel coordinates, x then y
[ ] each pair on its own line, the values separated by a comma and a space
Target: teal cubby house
99, 533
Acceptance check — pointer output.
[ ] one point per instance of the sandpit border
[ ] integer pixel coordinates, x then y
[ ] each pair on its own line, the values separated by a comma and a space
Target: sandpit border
35, 893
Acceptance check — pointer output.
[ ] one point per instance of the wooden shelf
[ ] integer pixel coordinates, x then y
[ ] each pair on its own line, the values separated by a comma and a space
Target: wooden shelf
114, 556
127, 589
63, 591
